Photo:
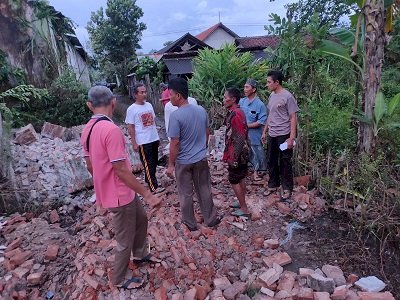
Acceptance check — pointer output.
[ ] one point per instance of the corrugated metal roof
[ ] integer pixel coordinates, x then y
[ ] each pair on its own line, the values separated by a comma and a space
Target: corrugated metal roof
179, 66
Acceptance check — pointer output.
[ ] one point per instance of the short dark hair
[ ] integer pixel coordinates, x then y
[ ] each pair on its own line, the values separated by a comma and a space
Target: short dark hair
179, 85
136, 87
234, 93
276, 76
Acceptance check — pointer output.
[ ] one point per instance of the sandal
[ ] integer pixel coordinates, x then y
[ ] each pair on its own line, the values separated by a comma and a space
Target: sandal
270, 191
130, 284
286, 194
149, 258
235, 204
240, 213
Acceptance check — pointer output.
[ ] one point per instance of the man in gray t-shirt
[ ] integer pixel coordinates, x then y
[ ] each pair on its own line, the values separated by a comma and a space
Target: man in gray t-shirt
188, 130
281, 128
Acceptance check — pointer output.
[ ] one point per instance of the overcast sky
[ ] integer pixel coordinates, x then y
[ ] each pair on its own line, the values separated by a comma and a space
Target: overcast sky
169, 20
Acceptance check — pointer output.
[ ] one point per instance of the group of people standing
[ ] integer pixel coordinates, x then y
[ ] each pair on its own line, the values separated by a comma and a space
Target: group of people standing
249, 123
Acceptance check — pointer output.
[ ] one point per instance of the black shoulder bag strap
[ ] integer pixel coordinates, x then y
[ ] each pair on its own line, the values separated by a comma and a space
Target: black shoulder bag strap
90, 132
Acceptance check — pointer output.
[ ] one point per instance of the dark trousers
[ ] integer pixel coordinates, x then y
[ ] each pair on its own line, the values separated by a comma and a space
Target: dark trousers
130, 228
149, 157
279, 163
195, 175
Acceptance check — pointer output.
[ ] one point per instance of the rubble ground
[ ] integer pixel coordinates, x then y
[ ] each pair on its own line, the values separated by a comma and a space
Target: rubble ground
280, 253
240, 259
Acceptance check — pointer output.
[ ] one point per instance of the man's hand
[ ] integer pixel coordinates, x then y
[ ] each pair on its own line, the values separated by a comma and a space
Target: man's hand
135, 147
264, 138
290, 143
152, 200
170, 171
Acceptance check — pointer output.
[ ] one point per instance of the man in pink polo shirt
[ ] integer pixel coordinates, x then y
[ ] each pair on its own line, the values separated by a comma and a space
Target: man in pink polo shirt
115, 186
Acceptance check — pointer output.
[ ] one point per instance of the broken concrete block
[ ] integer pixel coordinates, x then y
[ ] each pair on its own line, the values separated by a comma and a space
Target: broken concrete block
52, 131
335, 273
267, 292
26, 135
320, 284
370, 284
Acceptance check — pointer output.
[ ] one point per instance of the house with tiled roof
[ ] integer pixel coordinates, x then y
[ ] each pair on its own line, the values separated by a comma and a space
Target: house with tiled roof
178, 55
217, 36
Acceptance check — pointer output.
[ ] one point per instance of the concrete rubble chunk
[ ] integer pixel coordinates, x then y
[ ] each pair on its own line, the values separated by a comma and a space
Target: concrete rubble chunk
320, 284
370, 284
335, 273
26, 135
54, 217
52, 131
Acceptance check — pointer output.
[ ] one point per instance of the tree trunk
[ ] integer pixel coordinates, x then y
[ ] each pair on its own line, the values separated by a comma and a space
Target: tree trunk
374, 48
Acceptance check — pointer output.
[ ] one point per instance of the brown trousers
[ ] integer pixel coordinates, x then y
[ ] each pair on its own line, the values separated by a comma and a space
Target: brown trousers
130, 228
195, 175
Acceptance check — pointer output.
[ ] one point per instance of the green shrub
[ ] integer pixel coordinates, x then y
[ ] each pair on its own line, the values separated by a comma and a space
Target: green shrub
64, 103
331, 128
216, 70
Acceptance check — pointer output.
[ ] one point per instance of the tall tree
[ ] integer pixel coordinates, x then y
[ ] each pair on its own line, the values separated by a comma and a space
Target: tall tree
115, 34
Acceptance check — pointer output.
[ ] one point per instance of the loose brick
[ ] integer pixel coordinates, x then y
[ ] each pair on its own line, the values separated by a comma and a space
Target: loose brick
51, 252
335, 273
14, 244
340, 293
271, 243
280, 258
321, 296
305, 294
161, 293
35, 278
375, 296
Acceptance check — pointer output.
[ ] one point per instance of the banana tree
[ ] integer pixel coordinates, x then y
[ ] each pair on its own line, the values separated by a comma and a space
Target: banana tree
383, 113
368, 42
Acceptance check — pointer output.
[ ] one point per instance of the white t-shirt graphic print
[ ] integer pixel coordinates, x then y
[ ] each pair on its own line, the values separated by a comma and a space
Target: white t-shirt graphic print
143, 118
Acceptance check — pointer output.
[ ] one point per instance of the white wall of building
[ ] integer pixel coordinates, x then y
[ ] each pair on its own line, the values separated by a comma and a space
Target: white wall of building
219, 38
78, 65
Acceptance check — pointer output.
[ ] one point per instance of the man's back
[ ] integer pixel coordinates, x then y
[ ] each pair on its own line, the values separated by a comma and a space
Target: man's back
189, 124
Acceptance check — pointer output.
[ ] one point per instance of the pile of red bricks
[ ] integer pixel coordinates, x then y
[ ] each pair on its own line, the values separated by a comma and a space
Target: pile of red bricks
240, 259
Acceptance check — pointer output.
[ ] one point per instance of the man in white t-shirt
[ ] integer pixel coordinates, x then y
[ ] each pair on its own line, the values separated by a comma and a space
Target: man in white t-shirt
140, 118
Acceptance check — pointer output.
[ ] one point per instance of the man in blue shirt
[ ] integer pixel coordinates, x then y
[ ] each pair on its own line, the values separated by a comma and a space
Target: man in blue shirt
256, 116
